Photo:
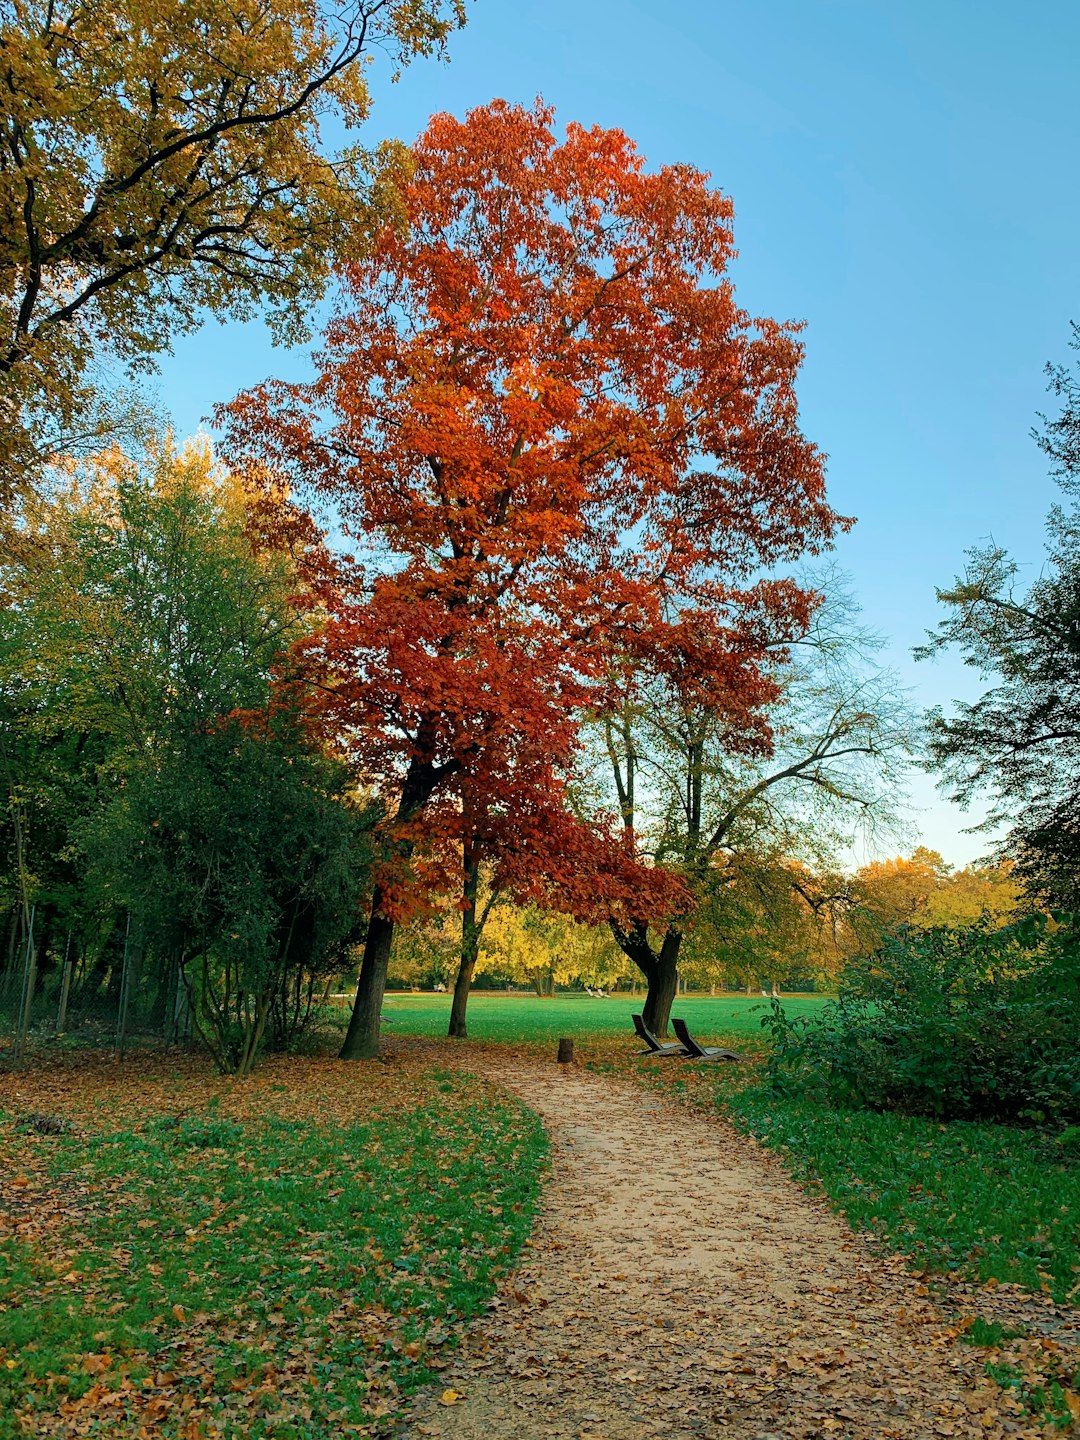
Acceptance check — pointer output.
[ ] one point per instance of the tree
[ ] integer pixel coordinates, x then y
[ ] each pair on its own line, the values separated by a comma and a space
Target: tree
161, 159
545, 950
239, 856
142, 621
1020, 740
762, 919
891, 893
540, 416
725, 795
138, 600
532, 850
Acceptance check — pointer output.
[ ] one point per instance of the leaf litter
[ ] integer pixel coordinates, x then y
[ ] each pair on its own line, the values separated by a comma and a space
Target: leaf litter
190, 1256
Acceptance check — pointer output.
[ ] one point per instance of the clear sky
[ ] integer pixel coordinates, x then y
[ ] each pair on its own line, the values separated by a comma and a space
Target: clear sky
904, 181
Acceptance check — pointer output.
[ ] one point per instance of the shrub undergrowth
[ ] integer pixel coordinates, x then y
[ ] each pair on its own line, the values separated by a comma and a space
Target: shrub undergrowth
952, 1024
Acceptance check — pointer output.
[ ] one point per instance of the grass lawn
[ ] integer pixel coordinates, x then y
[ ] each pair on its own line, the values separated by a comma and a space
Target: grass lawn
285, 1257
526, 1019
982, 1201
289, 1255
988, 1201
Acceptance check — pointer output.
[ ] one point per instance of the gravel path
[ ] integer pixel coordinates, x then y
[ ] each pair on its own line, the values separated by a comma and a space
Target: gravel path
680, 1285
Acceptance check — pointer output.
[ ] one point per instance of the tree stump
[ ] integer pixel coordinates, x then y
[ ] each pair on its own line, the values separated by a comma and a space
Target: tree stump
566, 1052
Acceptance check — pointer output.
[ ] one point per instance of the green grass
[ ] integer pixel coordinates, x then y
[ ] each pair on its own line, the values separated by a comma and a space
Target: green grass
260, 1276
983, 1201
527, 1019
1044, 1397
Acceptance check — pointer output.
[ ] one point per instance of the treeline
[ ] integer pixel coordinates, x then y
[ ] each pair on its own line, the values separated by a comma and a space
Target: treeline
761, 925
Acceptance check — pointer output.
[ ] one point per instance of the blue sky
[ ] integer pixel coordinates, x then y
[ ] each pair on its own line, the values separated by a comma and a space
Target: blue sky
904, 181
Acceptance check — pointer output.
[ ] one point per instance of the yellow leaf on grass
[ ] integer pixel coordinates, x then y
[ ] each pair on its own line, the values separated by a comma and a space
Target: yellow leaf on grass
449, 1397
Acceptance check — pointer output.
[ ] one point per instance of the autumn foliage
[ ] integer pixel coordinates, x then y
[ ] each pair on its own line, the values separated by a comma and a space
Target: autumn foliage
553, 444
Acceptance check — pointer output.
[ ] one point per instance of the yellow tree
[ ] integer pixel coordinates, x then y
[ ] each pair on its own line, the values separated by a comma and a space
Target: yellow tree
923, 891
162, 158
544, 949
979, 892
895, 892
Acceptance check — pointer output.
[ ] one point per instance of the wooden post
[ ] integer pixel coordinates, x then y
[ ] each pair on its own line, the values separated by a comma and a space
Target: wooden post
65, 988
566, 1052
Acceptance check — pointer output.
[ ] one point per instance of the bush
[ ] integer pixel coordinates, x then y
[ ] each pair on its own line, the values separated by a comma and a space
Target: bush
954, 1024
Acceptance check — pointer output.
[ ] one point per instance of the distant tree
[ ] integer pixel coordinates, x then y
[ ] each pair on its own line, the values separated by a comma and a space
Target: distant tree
545, 950
730, 800
426, 952
894, 892
161, 159
983, 893
764, 920
922, 892
541, 417
1021, 739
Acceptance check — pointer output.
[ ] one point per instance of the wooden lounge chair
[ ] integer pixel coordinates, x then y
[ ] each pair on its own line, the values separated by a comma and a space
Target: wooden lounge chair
700, 1052
656, 1047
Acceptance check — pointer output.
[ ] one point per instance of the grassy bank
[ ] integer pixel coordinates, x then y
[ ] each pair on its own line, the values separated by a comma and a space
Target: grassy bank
986, 1201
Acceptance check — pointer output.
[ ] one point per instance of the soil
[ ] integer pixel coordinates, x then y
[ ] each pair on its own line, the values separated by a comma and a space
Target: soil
679, 1284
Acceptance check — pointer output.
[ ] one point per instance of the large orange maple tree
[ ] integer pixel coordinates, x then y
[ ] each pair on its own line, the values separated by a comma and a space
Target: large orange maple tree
554, 443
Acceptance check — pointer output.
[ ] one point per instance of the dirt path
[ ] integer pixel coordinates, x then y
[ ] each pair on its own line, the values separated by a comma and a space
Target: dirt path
679, 1285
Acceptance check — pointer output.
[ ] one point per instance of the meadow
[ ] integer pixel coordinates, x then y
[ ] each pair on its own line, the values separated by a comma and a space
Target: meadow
286, 1257
529, 1020
975, 1200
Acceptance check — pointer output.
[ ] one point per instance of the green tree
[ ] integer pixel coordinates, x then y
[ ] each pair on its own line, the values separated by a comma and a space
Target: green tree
714, 797
160, 159
143, 622
240, 854
1020, 740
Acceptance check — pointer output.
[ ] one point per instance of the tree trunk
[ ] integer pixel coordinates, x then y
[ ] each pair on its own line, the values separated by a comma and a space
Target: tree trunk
470, 946
663, 985
462, 985
661, 971
362, 1036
